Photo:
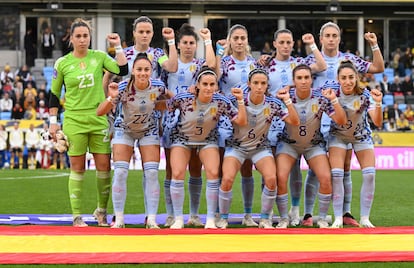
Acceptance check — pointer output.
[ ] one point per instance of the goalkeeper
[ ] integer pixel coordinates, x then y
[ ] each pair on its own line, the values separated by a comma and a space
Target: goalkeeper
81, 73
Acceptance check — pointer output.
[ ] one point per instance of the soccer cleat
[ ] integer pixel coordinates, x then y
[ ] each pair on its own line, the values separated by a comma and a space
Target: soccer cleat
101, 217
265, 224
348, 219
307, 220
178, 223
118, 225
222, 223
338, 223
195, 221
248, 221
294, 217
151, 224
365, 223
78, 222
169, 221
322, 223
210, 224
283, 223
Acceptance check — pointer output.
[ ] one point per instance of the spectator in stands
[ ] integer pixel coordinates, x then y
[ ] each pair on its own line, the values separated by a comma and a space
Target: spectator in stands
267, 49
6, 73
402, 123
48, 43
30, 47
30, 89
385, 121
3, 145
6, 103
394, 113
407, 86
42, 111
396, 86
29, 100
16, 146
385, 85
41, 96
17, 93
64, 42
30, 112
23, 74
409, 113
17, 112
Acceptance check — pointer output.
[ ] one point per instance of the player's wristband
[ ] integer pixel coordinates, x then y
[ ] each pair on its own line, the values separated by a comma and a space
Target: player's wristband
313, 47
378, 104
207, 42
171, 42
109, 99
288, 102
334, 101
375, 47
240, 102
219, 50
53, 119
119, 49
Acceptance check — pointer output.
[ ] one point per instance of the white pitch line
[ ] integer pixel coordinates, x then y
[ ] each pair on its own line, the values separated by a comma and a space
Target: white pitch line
52, 175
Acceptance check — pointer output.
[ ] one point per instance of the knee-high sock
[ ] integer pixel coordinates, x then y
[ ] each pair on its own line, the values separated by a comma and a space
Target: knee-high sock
119, 188
168, 201
75, 191
103, 184
282, 205
212, 191
195, 184
337, 191
324, 202
295, 182
225, 199
177, 196
144, 184
248, 193
367, 190
268, 200
152, 187
311, 190
347, 192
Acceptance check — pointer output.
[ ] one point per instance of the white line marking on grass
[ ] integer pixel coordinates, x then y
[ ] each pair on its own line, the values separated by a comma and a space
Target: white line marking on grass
28, 177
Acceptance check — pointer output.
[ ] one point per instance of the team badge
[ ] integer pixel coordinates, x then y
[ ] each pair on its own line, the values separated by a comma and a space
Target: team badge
82, 65
153, 96
357, 104
150, 57
314, 108
292, 65
193, 68
266, 111
213, 111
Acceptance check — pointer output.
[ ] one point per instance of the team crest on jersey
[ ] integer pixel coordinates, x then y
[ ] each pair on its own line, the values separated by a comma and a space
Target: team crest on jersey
150, 57
213, 111
357, 104
314, 108
153, 96
193, 68
266, 111
292, 65
82, 65
252, 67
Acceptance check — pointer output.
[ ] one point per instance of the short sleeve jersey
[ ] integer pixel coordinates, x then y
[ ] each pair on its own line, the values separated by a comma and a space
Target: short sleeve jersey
356, 108
155, 55
234, 73
332, 63
137, 107
310, 112
197, 123
253, 136
185, 77
82, 78
280, 72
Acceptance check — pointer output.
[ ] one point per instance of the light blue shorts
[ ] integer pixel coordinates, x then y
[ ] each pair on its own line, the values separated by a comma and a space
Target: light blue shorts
297, 151
128, 138
334, 141
255, 155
